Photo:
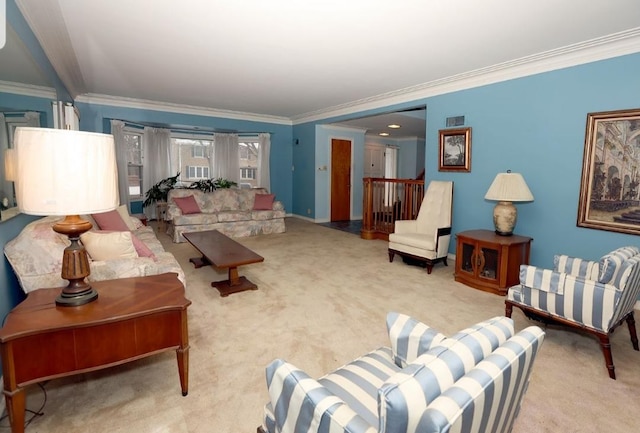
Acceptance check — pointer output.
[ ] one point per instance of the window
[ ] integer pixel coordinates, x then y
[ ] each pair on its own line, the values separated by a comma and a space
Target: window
192, 158
248, 154
197, 172
247, 173
133, 140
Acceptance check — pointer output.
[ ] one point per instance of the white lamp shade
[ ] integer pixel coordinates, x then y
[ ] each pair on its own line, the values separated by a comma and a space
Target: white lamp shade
65, 172
509, 187
10, 164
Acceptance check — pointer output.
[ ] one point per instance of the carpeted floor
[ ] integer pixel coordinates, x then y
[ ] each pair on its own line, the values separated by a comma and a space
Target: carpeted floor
322, 300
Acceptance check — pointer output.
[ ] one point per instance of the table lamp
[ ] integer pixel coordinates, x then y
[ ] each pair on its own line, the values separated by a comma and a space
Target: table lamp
505, 189
70, 173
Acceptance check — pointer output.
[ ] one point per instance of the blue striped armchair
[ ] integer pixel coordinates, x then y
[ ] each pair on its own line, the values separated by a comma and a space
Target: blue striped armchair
425, 382
591, 296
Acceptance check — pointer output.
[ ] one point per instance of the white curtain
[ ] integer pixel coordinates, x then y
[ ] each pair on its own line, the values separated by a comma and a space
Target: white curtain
156, 148
264, 149
226, 162
117, 130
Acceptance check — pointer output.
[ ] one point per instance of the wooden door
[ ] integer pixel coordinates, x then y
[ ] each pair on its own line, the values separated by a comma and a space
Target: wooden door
340, 180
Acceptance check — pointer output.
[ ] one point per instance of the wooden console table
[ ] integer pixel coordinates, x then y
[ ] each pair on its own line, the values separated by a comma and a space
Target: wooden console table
131, 319
490, 262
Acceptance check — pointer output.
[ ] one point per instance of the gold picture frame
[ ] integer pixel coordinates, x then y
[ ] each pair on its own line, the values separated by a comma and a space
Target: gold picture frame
610, 185
455, 150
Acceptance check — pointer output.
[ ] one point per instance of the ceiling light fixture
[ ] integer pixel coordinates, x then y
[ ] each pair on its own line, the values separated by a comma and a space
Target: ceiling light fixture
384, 134
394, 126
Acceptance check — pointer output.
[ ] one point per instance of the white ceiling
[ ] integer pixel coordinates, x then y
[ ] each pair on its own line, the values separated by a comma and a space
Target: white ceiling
296, 60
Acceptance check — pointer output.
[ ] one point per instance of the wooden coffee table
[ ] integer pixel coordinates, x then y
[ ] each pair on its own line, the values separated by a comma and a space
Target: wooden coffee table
131, 319
221, 251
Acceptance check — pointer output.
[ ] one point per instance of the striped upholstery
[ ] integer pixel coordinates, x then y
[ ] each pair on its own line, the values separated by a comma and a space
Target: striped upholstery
576, 267
488, 398
404, 396
409, 338
610, 264
482, 369
583, 301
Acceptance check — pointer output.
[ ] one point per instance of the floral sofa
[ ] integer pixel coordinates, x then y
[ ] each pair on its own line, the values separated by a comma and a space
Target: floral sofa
234, 212
36, 254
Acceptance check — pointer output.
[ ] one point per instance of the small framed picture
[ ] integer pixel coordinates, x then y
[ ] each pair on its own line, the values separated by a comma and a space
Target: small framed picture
455, 150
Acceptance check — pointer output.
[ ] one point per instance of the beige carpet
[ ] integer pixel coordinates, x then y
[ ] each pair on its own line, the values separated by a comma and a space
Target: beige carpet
322, 300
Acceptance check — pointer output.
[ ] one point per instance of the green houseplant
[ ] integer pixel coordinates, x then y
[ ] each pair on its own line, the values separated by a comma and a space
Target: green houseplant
208, 185
160, 191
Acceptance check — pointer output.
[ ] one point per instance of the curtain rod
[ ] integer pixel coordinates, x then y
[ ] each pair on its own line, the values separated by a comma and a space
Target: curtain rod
194, 130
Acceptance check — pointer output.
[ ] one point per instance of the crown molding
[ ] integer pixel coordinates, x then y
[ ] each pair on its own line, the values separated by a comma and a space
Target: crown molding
28, 90
613, 45
345, 128
143, 104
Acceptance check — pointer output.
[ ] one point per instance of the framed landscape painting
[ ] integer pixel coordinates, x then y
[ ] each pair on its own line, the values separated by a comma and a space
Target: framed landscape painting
609, 193
455, 150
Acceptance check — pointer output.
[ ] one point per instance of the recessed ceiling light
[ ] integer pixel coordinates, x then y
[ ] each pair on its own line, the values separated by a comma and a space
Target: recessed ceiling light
384, 134
393, 126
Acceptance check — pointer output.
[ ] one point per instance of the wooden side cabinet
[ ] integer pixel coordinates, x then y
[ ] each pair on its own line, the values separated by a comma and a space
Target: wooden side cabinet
490, 262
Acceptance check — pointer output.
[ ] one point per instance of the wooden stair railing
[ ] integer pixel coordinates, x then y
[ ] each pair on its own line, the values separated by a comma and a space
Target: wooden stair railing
388, 200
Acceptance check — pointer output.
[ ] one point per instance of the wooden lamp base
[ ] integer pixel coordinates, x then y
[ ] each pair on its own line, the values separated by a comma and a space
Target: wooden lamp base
75, 264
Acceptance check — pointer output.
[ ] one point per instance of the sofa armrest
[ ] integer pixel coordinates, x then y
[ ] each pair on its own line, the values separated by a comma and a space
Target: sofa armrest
277, 205
301, 403
406, 226
576, 266
172, 211
541, 287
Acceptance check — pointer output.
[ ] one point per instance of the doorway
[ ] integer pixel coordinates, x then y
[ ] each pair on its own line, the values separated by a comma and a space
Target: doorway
340, 180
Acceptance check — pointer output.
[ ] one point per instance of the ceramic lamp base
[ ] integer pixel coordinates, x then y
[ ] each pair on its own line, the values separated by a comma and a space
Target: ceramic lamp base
505, 215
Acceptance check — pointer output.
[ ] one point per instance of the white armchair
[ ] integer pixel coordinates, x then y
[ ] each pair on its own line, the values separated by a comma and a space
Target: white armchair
426, 239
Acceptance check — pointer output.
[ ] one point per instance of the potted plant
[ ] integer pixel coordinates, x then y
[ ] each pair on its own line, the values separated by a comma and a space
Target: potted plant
208, 185
160, 191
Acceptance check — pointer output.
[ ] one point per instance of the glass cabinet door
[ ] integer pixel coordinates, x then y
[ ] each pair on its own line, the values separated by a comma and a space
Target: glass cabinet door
489, 263
468, 258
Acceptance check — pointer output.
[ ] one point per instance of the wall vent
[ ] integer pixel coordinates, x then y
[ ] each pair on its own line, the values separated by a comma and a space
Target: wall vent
455, 121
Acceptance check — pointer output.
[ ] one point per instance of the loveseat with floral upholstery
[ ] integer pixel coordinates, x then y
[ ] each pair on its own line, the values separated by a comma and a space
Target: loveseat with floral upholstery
232, 211
115, 251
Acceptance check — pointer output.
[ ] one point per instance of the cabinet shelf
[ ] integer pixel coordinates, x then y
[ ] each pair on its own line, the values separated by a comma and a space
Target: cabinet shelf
490, 262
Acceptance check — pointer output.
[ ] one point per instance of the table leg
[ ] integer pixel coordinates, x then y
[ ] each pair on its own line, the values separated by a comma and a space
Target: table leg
15, 407
234, 284
183, 368
234, 279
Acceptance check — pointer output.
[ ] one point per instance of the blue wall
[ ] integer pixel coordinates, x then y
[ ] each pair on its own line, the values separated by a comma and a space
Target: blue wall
533, 125
536, 126
96, 118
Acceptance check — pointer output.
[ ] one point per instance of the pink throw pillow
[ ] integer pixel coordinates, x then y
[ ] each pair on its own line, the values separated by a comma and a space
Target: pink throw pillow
141, 248
264, 202
187, 204
110, 221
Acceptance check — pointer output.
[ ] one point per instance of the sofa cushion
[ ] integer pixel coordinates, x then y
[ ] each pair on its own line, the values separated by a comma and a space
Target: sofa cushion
233, 215
110, 221
187, 205
611, 264
409, 338
263, 201
357, 382
124, 214
108, 246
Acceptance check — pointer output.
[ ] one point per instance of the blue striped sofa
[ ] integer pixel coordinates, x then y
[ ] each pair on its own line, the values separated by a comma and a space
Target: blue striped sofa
425, 382
593, 296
